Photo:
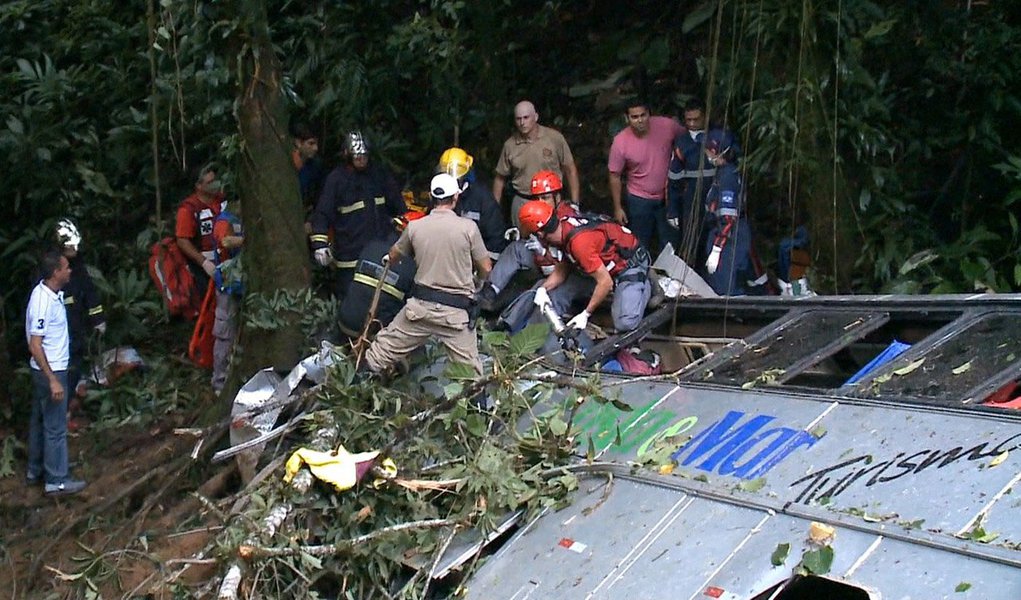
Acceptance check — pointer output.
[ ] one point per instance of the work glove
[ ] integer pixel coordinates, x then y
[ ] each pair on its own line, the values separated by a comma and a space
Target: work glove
713, 261
101, 328
512, 234
385, 260
208, 267
580, 320
542, 298
324, 256
533, 244
674, 222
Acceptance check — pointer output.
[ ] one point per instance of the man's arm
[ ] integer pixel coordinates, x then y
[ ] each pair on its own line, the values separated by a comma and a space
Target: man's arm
484, 266
557, 277
35, 347
394, 255
604, 285
191, 251
498, 183
571, 170
615, 189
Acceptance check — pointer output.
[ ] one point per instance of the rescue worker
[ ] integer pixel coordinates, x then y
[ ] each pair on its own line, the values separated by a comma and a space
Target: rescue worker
194, 225
532, 148
697, 154
230, 237
728, 244
359, 202
393, 291
602, 257
84, 310
476, 201
528, 253
441, 308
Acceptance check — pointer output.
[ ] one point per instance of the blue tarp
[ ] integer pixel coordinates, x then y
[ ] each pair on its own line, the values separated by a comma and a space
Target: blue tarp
891, 352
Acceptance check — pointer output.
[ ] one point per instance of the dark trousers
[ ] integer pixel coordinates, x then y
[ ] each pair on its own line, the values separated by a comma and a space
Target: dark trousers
647, 220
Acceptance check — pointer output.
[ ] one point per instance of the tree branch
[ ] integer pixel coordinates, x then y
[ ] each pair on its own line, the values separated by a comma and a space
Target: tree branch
260, 552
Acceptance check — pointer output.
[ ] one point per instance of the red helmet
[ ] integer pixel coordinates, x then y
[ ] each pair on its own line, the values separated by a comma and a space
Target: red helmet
535, 215
546, 182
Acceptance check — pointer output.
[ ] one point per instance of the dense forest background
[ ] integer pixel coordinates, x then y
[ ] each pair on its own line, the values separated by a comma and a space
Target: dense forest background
890, 129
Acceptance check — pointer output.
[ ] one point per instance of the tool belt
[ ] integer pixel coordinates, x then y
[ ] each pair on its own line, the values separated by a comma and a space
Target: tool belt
465, 303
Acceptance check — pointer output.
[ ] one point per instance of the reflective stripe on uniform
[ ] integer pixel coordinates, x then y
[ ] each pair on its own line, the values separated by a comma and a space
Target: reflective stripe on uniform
380, 200
686, 174
345, 264
351, 207
373, 282
95, 311
319, 237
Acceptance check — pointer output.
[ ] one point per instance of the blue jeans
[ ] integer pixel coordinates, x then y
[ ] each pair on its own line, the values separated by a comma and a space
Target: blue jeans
47, 430
647, 218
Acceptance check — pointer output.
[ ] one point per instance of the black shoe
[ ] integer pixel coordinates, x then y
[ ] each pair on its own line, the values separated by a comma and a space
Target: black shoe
486, 298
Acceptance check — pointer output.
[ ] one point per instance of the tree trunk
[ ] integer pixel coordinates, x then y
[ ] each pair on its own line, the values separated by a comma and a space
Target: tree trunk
275, 253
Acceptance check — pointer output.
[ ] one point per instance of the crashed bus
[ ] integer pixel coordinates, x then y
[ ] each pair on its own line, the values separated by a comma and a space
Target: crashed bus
844, 447
824, 447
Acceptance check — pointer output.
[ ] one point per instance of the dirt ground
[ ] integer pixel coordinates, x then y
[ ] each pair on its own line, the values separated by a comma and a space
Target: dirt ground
135, 524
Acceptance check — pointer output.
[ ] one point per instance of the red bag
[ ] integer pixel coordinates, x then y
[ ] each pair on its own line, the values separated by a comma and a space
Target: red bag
168, 267
200, 349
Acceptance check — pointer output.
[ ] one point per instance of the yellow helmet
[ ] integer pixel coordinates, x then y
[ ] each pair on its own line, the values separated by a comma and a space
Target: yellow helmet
456, 162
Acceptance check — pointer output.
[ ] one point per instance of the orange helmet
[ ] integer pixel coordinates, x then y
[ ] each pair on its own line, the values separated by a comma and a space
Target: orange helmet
535, 215
546, 182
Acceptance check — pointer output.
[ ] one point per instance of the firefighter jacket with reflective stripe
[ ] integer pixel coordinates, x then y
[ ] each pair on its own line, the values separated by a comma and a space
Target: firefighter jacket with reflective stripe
358, 206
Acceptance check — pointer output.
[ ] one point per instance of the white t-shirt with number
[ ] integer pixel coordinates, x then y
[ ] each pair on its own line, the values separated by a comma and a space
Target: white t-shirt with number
46, 317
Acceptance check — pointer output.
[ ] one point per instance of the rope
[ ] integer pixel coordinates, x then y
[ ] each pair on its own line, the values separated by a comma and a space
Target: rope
792, 187
836, 114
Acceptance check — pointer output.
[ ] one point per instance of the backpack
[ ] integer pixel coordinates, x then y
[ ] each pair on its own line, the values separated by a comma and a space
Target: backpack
586, 221
168, 267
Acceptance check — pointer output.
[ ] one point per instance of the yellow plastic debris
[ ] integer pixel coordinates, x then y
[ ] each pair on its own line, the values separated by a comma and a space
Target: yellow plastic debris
339, 468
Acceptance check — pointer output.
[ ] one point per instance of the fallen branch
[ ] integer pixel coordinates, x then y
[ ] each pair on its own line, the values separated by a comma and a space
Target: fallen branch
258, 552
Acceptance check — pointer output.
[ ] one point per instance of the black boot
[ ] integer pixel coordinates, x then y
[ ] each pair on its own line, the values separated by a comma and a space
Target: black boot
486, 298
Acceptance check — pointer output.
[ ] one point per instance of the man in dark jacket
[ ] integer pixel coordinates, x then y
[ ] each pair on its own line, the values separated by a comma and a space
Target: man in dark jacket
359, 202
81, 300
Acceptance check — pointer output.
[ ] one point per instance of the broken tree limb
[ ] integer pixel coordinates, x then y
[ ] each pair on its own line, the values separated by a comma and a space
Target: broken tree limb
325, 438
260, 552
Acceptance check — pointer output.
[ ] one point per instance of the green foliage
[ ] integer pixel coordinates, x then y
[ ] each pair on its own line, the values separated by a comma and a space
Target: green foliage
10, 445
164, 386
433, 437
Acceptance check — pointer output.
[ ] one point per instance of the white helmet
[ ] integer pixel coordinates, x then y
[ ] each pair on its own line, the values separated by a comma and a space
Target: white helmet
68, 234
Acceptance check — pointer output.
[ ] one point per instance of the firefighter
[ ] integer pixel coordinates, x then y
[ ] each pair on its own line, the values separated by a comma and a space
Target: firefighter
441, 308
601, 257
359, 201
476, 201
85, 315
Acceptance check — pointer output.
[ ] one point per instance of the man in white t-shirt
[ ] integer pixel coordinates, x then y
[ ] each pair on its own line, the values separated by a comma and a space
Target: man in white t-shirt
49, 344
